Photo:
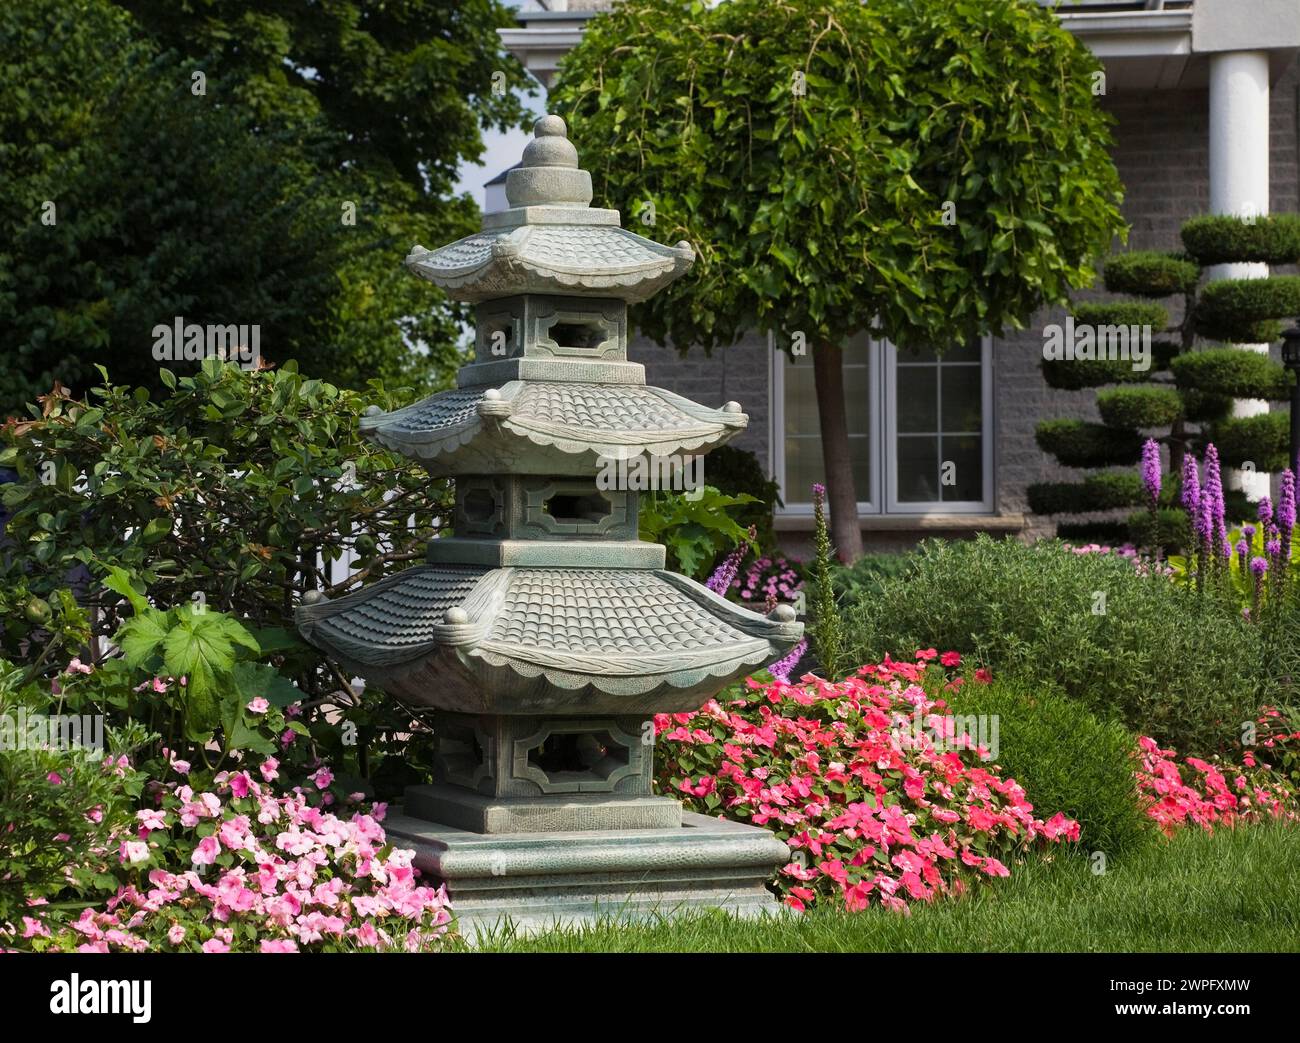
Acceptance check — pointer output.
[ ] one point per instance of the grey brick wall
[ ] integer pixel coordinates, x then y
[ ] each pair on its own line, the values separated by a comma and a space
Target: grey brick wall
1162, 155
738, 372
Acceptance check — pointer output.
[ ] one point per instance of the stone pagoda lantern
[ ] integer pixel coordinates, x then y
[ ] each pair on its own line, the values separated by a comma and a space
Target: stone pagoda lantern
543, 636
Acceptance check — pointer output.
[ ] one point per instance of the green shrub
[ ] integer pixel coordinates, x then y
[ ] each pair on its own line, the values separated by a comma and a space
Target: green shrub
1121, 313
1232, 372
1104, 532
1148, 273
1065, 758
1133, 647
48, 792
1264, 440
221, 492
864, 577
1223, 239
1077, 374
1142, 406
1244, 311
1077, 443
1175, 530
1204, 407
1096, 492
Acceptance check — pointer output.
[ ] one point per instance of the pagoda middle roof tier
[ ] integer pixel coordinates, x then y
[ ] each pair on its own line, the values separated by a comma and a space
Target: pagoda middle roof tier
520, 640
465, 426
580, 258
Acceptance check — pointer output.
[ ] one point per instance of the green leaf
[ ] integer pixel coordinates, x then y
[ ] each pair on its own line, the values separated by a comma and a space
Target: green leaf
261, 679
141, 637
156, 529
118, 581
201, 647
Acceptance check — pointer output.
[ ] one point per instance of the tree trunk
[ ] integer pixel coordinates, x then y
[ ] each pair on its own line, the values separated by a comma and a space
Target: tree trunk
841, 496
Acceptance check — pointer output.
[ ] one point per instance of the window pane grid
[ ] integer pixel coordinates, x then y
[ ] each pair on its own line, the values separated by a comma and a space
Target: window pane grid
935, 414
938, 455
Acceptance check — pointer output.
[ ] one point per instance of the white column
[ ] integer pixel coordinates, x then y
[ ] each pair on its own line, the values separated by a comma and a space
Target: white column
1239, 170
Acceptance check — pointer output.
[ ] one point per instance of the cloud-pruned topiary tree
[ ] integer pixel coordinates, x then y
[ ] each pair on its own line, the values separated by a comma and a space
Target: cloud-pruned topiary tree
932, 172
1186, 396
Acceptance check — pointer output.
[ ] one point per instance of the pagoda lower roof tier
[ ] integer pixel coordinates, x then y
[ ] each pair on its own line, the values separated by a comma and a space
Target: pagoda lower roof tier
579, 258
546, 640
481, 428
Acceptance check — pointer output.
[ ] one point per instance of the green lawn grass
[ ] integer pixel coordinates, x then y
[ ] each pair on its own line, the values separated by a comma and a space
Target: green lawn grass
1232, 891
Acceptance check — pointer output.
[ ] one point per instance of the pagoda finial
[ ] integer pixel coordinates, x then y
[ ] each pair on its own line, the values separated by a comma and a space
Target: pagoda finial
549, 174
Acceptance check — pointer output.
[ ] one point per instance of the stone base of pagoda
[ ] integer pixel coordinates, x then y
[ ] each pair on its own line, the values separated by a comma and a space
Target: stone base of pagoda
528, 882
554, 813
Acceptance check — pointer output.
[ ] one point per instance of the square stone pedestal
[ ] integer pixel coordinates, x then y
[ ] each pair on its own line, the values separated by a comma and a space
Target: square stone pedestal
534, 880
538, 821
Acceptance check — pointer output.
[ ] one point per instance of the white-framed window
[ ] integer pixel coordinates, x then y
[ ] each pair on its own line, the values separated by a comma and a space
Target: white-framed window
920, 428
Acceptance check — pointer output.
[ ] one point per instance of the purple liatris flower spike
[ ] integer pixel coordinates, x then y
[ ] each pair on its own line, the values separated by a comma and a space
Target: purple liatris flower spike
1205, 522
1258, 566
1151, 470
1191, 495
782, 667
1265, 510
1213, 491
721, 580
1286, 501
1243, 554
1273, 548
1248, 531
1286, 511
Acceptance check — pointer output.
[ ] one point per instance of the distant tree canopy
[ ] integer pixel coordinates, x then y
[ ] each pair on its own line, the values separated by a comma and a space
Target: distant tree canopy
280, 187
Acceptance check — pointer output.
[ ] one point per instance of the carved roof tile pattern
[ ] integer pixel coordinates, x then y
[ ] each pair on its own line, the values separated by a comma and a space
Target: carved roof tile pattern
599, 407
605, 611
400, 612
443, 411
552, 258
617, 421
621, 630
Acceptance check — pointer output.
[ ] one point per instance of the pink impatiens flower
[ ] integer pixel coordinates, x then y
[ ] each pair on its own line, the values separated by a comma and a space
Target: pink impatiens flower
323, 778
258, 705
133, 852
205, 854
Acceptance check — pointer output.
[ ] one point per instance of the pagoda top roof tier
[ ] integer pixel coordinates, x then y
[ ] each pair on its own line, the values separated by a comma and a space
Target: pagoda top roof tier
551, 241
532, 640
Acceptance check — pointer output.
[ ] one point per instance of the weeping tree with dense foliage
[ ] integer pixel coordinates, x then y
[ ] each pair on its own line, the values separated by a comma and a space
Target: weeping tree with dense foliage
930, 172
1185, 398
